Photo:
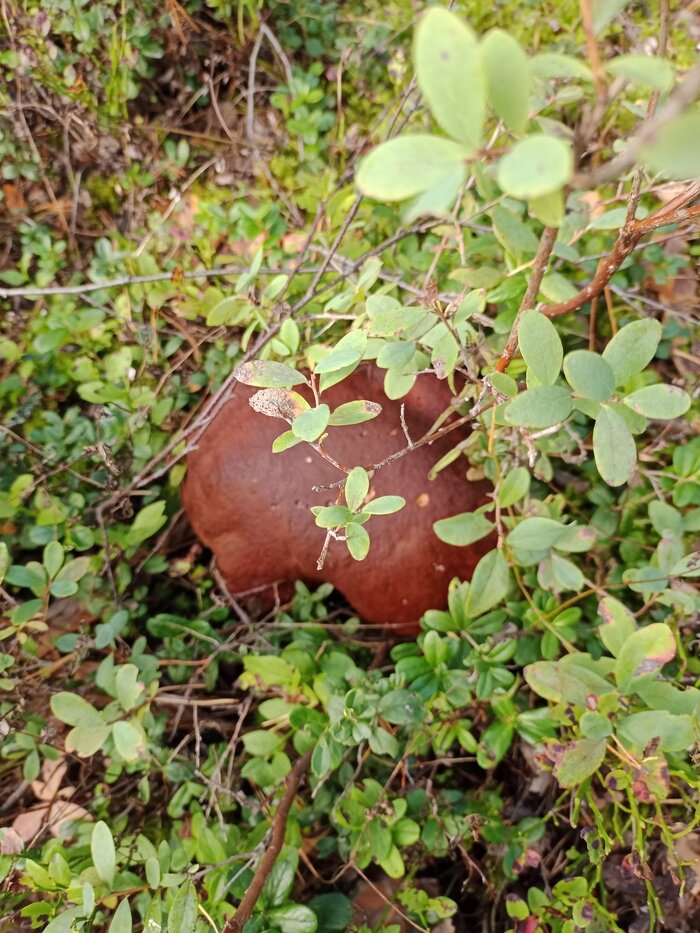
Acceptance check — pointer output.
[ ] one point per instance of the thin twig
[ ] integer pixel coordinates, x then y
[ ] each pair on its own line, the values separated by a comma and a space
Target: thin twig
544, 251
676, 104
245, 909
124, 281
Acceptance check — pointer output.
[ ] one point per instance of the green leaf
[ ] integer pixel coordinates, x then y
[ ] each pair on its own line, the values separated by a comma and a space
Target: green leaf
508, 78
665, 519
535, 166
604, 11
565, 683
463, 529
331, 516
310, 425
280, 880
396, 354
293, 918
4, 560
595, 725
121, 921
384, 505
617, 625
688, 566
149, 520
589, 375
559, 574
613, 448
74, 570
285, 441
104, 856
632, 348
450, 74
675, 150
662, 402
347, 352
514, 487
356, 488
90, 732
229, 311
354, 412
675, 733
549, 208
334, 912
152, 866
62, 588
267, 375
128, 687
71, 708
557, 65
402, 707
409, 165
644, 71
541, 407
580, 760
182, 916
128, 740
489, 584
53, 558
65, 921
536, 534
32, 577
357, 541
540, 346
405, 832
557, 287
659, 694
262, 743
644, 651
398, 384
514, 235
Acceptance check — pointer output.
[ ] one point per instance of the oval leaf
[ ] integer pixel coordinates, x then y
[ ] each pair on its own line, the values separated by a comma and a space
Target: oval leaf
540, 346
644, 652
356, 488
409, 165
535, 166
541, 407
104, 856
632, 347
461, 530
267, 375
508, 78
661, 402
589, 375
580, 760
489, 584
613, 448
310, 425
450, 74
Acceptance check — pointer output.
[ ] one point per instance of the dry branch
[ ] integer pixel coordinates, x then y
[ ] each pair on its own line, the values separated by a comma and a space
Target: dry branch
245, 909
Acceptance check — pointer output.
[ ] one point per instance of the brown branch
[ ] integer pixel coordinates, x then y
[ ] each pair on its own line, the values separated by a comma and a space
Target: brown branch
593, 51
245, 909
544, 251
631, 233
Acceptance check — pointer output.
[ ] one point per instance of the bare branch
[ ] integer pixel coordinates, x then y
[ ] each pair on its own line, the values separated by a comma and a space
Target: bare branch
544, 251
245, 909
